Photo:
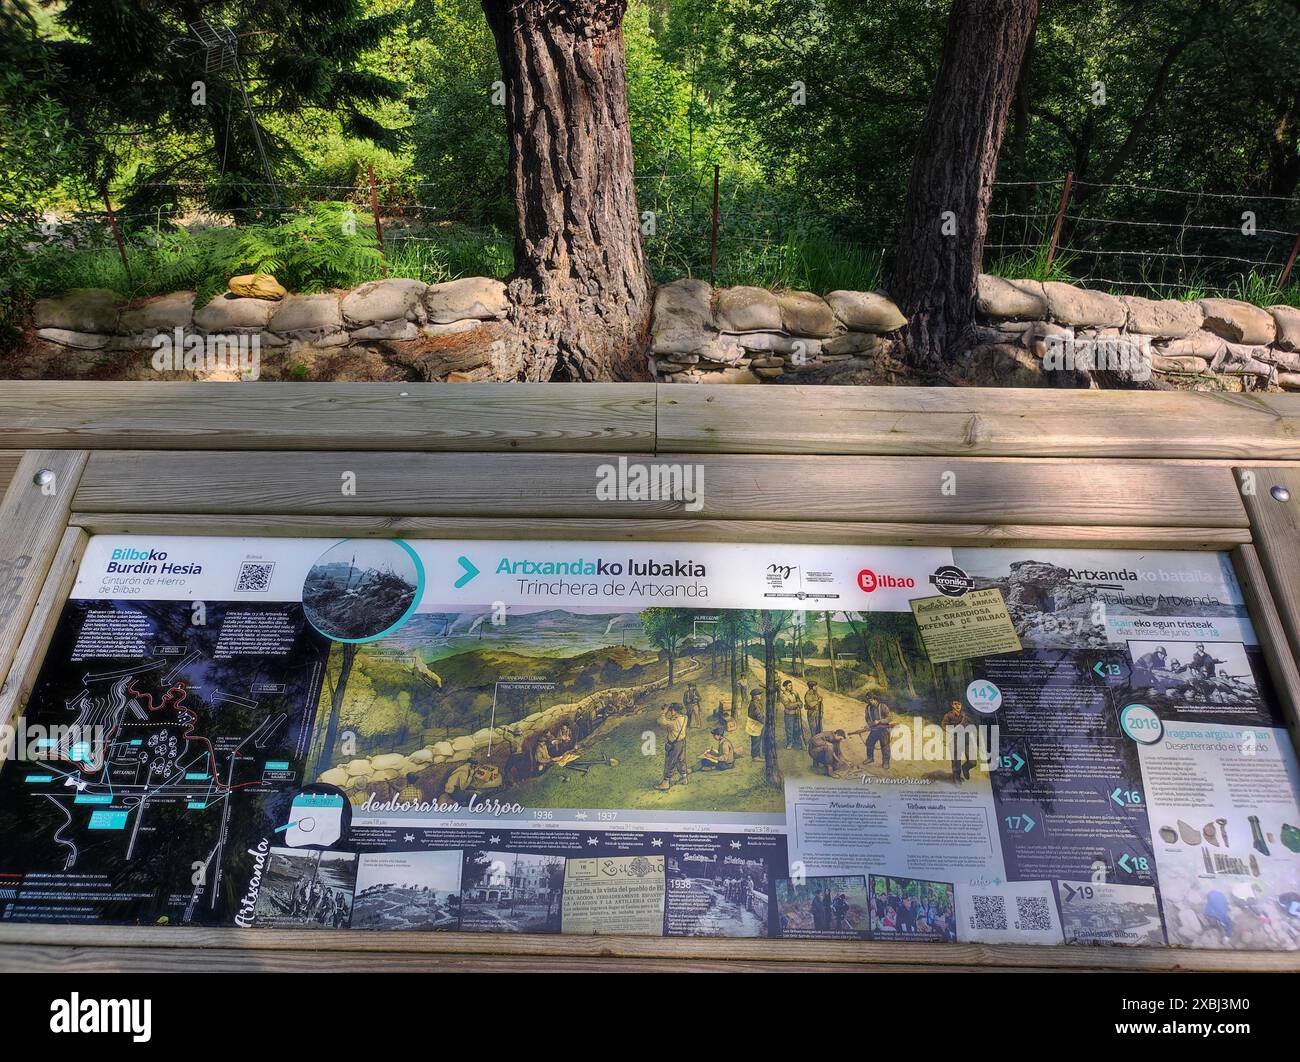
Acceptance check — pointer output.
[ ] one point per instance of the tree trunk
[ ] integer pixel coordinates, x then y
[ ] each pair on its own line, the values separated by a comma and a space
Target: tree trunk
734, 676
581, 293
771, 764
945, 220
830, 651
349, 656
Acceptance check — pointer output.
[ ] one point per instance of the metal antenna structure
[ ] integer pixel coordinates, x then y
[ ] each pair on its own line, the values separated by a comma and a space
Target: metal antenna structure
221, 53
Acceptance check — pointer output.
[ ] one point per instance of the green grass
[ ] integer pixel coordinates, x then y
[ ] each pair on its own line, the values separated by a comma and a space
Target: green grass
205, 261
809, 263
453, 253
1033, 265
1252, 287
305, 261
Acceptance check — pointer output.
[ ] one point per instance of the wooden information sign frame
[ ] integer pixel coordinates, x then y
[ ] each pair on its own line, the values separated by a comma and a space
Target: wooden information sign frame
782, 464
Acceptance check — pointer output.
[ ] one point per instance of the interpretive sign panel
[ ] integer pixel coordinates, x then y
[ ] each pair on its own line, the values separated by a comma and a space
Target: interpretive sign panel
836, 742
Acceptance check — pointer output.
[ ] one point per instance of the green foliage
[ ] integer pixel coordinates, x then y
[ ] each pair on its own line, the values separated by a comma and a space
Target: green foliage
37, 146
323, 248
453, 252
131, 66
1263, 290
458, 134
666, 627
811, 111
342, 162
1033, 265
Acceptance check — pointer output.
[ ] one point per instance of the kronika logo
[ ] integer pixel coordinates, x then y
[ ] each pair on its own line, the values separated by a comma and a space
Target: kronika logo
951, 581
869, 581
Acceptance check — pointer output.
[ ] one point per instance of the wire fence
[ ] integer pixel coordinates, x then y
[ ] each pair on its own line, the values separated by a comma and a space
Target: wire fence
756, 239
1126, 237
1144, 238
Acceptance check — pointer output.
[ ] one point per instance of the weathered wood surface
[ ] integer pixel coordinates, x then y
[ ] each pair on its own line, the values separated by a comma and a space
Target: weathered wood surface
8, 466
45, 615
32, 524
278, 525
1272, 635
885, 489
1275, 528
306, 416
1002, 422
77, 960
178, 945
981, 421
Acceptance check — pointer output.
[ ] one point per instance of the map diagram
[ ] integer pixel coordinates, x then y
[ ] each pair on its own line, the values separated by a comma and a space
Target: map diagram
178, 750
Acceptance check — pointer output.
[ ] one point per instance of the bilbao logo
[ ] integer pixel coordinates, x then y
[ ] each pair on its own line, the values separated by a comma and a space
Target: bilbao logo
869, 581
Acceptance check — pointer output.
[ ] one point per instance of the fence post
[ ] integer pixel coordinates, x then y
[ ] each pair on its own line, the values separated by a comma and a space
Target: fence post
1286, 269
713, 239
1060, 220
379, 228
117, 232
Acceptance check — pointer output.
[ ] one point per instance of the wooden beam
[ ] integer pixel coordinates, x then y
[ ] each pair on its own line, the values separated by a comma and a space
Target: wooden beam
872, 490
380, 943
637, 417
279, 525
1272, 501
33, 518
311, 416
8, 466
971, 420
47, 960
15, 689
1272, 636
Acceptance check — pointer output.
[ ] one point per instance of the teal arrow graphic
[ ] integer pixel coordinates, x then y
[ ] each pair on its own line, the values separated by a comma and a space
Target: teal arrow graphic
470, 571
1124, 865
1020, 761
1029, 823
1097, 669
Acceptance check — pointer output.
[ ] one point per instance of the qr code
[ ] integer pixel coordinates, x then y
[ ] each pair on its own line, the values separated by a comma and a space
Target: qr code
990, 912
1032, 912
254, 576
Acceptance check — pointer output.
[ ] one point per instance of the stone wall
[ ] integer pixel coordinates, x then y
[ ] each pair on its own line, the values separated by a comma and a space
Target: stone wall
1029, 334
1221, 341
386, 773
94, 323
745, 335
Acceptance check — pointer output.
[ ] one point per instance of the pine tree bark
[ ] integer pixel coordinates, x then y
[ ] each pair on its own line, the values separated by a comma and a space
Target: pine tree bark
936, 265
581, 293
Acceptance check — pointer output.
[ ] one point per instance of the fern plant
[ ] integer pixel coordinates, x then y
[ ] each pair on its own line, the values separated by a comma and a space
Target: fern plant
324, 248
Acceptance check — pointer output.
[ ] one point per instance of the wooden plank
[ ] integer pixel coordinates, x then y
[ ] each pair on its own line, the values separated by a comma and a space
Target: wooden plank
1272, 635
49, 604
589, 529
8, 466
46, 960
970, 420
32, 523
1275, 528
874, 490
324, 943
622, 418
310, 416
